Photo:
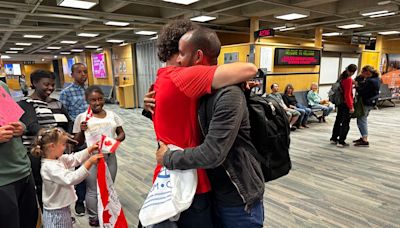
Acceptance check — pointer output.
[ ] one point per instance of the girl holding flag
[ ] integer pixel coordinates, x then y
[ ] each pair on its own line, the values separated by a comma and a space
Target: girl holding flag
90, 126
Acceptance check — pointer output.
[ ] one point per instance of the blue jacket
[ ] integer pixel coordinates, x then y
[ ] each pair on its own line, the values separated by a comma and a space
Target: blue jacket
369, 90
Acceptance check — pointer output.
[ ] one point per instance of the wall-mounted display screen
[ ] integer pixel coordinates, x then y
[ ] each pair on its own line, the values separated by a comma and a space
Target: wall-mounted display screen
12, 68
98, 65
289, 56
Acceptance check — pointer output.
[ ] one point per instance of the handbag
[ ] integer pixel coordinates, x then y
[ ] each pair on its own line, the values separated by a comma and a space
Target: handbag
172, 192
358, 107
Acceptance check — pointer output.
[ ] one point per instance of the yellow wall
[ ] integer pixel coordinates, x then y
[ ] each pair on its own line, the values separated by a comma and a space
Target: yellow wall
370, 58
27, 70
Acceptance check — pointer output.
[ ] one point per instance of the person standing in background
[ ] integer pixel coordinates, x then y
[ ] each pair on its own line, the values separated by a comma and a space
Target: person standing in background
342, 122
22, 84
73, 99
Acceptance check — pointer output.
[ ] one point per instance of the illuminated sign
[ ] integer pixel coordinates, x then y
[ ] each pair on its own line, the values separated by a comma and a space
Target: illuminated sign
288, 56
360, 40
264, 33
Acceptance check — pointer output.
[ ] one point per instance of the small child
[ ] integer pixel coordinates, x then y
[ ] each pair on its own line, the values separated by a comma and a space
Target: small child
58, 179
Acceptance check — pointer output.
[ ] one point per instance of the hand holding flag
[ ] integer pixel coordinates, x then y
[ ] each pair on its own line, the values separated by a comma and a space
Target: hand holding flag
108, 145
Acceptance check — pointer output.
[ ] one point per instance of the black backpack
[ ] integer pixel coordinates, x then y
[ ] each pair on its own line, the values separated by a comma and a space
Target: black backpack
270, 135
336, 93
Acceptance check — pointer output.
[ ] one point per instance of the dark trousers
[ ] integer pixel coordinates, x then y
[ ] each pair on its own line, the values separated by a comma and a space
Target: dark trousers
18, 207
232, 217
35, 166
80, 188
342, 124
199, 213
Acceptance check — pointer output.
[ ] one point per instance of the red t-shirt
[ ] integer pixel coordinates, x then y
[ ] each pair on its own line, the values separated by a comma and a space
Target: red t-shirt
347, 86
178, 90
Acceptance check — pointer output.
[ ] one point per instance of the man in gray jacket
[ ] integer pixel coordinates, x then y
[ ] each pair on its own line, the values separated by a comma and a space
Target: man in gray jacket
226, 152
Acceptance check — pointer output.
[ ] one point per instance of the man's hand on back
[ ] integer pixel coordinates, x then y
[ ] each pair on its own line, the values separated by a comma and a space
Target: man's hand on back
161, 152
149, 101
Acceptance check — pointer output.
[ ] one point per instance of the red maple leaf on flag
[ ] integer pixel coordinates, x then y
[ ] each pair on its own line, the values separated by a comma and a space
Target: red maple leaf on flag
108, 143
106, 217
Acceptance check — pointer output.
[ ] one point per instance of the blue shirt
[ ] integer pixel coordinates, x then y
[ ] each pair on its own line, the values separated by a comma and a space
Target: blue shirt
73, 99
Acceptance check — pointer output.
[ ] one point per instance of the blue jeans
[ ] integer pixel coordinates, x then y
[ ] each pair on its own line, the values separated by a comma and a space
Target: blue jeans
233, 217
305, 113
362, 121
326, 109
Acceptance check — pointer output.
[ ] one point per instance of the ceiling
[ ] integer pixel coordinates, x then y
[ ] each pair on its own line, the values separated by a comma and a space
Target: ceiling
56, 23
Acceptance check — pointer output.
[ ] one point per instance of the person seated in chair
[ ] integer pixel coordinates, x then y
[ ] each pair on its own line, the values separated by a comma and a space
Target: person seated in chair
292, 114
291, 102
315, 101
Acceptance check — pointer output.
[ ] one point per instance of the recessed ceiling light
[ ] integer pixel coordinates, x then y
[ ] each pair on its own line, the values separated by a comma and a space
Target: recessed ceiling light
17, 49
115, 41
80, 4
5, 57
366, 14
279, 27
77, 50
389, 32
33, 36
350, 26
203, 18
182, 2
85, 34
53, 48
381, 3
383, 15
146, 33
291, 16
99, 49
287, 29
69, 42
117, 23
91, 46
332, 34
65, 53
12, 52
23, 44
44, 51
373, 38
55, 56
154, 38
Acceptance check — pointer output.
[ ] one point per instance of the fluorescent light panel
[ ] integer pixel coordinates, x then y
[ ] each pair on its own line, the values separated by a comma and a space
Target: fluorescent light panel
117, 23
203, 18
33, 36
85, 34
65, 53
389, 32
17, 49
287, 29
280, 27
332, 34
77, 50
91, 46
5, 57
53, 48
383, 15
12, 52
80, 4
350, 26
146, 33
69, 42
115, 41
182, 2
23, 44
154, 38
291, 16
374, 13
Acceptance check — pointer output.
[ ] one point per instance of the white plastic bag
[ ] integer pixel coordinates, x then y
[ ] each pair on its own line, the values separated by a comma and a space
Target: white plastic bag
172, 192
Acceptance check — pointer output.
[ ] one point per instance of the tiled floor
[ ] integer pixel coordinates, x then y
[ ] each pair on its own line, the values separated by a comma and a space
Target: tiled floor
328, 186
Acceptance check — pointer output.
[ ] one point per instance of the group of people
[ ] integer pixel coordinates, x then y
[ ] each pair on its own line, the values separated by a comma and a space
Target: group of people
297, 112
194, 105
36, 174
367, 86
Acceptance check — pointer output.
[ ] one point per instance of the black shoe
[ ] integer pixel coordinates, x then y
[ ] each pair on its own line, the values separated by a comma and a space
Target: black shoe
80, 209
358, 140
293, 128
362, 143
94, 222
323, 119
341, 145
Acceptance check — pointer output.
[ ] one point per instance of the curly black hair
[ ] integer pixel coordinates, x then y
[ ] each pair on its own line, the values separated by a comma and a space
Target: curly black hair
168, 40
39, 74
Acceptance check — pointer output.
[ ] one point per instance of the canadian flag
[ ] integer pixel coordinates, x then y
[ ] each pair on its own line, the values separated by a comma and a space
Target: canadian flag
109, 145
109, 208
89, 114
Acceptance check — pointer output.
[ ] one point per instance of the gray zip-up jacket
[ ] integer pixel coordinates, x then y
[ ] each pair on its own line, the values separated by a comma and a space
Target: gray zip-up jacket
224, 121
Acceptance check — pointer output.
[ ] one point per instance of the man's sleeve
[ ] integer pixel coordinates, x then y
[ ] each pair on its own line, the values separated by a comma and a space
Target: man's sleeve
194, 81
64, 99
347, 88
222, 133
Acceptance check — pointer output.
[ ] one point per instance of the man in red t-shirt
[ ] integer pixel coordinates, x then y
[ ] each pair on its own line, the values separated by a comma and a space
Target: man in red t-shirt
178, 90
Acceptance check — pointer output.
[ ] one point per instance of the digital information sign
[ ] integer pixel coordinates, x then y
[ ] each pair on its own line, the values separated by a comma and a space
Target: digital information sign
289, 56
